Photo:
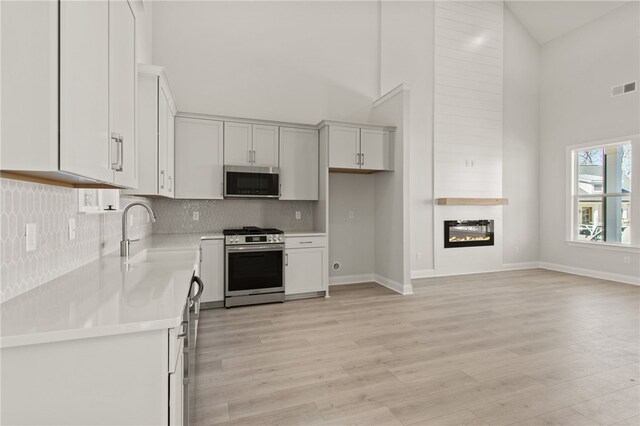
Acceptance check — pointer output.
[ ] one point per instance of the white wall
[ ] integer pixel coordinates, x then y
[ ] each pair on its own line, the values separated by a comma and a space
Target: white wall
290, 61
392, 227
351, 241
520, 144
577, 73
407, 57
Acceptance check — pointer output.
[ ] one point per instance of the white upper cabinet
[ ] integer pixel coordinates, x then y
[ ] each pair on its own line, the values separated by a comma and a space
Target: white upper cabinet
365, 149
247, 144
122, 76
155, 130
85, 141
374, 149
298, 164
265, 146
68, 98
199, 152
344, 147
238, 144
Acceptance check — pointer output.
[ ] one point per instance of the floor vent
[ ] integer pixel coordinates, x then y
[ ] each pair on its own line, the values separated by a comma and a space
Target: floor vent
623, 89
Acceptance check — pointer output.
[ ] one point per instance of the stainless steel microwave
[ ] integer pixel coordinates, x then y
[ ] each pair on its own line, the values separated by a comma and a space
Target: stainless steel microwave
251, 182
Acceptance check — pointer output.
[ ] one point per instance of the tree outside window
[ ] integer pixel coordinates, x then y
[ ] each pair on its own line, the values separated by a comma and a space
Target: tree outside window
603, 193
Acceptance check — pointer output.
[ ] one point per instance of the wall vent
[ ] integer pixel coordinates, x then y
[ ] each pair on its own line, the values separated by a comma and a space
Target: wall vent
623, 89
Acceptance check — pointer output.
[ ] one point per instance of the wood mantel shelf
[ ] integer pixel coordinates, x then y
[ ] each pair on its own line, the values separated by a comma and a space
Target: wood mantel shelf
472, 201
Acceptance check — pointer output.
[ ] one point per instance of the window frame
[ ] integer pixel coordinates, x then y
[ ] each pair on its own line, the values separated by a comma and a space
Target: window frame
572, 183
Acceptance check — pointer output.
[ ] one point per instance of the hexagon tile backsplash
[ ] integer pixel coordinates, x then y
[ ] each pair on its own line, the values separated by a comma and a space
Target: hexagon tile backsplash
50, 208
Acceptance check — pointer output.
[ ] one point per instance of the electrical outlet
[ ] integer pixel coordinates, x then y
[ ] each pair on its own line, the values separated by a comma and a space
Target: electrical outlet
72, 229
30, 234
352, 215
627, 260
298, 215
196, 216
418, 256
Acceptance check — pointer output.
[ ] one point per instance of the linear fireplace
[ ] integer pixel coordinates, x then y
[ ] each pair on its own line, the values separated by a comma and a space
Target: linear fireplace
468, 233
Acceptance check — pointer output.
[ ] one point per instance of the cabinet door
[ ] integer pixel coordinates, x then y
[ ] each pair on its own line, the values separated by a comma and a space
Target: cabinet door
305, 270
298, 164
344, 147
265, 146
375, 149
122, 77
212, 270
199, 158
176, 413
237, 144
84, 89
163, 140
171, 152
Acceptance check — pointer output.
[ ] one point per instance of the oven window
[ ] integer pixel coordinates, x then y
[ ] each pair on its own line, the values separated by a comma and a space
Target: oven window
240, 183
254, 270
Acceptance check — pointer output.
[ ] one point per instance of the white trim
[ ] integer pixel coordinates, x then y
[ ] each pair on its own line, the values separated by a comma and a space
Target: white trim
626, 279
520, 265
404, 289
605, 246
352, 279
391, 93
422, 273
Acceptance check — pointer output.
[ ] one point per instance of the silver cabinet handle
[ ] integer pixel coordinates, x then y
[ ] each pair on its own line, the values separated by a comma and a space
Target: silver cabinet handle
286, 259
117, 165
362, 156
253, 156
184, 325
249, 156
120, 154
358, 158
162, 175
170, 179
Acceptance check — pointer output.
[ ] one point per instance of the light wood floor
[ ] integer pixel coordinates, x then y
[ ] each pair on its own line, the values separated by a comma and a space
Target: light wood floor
528, 347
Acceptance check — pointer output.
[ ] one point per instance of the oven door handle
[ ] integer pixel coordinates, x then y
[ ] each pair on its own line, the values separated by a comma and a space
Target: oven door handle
249, 249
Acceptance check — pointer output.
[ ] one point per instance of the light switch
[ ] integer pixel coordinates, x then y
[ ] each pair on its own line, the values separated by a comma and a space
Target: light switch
298, 215
352, 215
72, 229
30, 233
196, 216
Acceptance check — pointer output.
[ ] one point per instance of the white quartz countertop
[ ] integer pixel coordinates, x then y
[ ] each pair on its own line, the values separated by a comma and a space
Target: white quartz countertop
304, 234
105, 297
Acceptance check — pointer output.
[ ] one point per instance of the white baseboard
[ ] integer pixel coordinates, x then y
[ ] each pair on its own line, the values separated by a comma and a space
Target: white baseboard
626, 279
520, 265
404, 289
352, 279
422, 273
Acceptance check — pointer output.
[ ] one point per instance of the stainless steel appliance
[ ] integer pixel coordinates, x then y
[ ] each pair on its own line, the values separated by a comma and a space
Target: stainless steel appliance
189, 333
251, 182
254, 266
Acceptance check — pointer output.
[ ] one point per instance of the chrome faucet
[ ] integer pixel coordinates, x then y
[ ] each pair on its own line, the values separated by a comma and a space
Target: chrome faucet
126, 242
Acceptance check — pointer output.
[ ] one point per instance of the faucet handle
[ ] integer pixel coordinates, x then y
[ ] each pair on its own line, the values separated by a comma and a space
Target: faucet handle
134, 239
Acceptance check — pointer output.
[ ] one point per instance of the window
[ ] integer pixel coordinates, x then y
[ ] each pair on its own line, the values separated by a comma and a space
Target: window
602, 193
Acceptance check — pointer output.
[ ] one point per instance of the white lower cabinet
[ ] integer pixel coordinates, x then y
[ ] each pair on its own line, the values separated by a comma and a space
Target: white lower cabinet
212, 270
306, 269
123, 379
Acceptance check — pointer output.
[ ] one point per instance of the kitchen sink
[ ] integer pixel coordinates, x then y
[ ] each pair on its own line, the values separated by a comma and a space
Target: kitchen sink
162, 256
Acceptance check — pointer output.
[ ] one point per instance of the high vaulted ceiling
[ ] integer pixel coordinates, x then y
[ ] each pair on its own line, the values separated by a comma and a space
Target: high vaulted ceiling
547, 20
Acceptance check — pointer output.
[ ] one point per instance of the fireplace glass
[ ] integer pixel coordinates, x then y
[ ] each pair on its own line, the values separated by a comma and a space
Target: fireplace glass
468, 233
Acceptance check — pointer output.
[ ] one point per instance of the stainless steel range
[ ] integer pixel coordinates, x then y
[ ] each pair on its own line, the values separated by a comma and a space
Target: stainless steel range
254, 266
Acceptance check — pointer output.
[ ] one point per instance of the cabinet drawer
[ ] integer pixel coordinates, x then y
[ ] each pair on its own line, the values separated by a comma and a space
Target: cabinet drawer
305, 242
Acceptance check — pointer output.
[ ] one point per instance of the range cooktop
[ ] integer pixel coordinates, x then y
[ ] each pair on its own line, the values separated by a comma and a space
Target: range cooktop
252, 230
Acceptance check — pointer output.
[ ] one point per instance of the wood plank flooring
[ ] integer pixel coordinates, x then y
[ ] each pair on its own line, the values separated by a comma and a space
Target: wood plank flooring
530, 347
